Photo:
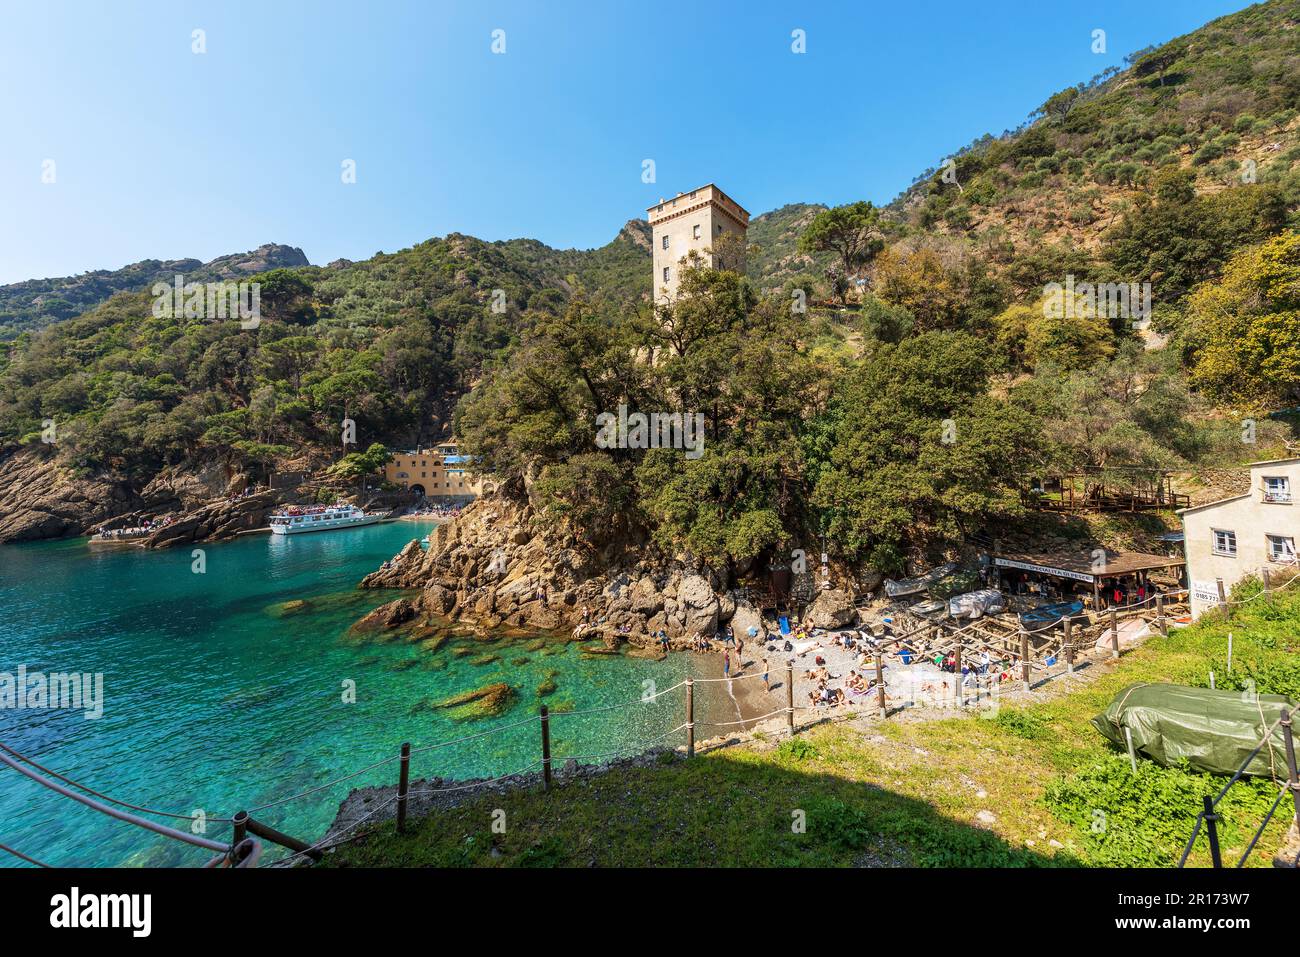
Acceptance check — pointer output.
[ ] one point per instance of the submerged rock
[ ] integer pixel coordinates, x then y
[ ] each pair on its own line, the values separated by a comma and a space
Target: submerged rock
486, 702
388, 615
286, 608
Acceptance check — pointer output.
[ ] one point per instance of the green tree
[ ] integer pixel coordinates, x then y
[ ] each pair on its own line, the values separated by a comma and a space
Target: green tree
852, 232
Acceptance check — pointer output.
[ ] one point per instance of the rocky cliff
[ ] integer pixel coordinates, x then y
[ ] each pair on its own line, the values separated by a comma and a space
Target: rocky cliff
41, 499
497, 566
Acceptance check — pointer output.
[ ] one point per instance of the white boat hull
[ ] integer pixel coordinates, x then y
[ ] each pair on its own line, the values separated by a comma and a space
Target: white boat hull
324, 525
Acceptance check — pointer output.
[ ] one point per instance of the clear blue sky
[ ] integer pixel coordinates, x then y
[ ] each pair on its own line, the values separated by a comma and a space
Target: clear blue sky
162, 153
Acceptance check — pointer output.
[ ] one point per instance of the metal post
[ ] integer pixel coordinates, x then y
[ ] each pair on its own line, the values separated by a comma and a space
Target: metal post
403, 780
1161, 622
1024, 656
546, 747
957, 673
1289, 741
880, 686
789, 696
1212, 828
690, 717
1114, 632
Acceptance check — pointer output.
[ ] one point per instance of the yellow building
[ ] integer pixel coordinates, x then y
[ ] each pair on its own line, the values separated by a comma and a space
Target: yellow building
694, 222
1245, 535
440, 472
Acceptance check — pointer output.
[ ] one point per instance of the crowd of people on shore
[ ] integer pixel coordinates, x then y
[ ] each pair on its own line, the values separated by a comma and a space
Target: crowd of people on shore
431, 509
146, 527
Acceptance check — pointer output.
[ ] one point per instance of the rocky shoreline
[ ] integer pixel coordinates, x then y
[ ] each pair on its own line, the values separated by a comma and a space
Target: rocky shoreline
41, 499
495, 565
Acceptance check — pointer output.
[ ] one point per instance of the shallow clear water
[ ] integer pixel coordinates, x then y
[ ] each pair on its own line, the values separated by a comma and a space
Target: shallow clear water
216, 700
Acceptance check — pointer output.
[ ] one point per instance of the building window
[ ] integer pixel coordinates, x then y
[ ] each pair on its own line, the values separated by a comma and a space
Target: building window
665, 274
697, 230
1225, 543
665, 241
1281, 548
1277, 488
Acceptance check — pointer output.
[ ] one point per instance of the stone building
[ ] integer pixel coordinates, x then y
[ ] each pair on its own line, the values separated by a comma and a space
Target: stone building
1245, 535
695, 222
438, 473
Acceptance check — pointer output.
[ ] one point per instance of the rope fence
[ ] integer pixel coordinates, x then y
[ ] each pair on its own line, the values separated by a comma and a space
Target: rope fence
1209, 816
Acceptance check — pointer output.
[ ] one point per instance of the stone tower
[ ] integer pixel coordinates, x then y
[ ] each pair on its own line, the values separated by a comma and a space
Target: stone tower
693, 221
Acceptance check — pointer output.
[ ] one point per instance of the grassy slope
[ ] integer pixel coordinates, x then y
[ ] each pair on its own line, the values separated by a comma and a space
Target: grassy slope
898, 792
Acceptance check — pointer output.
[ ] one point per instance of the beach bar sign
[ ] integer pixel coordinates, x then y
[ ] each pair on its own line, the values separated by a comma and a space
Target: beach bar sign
1043, 569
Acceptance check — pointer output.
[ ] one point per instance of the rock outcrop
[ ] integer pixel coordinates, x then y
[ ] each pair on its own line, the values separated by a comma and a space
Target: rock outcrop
41, 499
831, 609
495, 566
217, 520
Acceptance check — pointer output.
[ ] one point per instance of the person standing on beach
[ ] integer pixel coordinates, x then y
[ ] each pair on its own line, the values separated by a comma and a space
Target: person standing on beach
766, 686
726, 662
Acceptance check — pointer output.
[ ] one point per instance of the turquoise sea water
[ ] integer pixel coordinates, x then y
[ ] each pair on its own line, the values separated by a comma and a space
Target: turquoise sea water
216, 700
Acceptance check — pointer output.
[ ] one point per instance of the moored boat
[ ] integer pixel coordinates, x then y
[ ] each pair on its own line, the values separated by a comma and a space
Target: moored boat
295, 520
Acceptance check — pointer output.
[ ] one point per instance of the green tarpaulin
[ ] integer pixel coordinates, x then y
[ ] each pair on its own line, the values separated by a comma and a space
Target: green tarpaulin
1214, 730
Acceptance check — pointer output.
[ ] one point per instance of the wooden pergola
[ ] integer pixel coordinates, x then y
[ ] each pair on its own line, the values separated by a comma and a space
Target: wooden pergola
1114, 488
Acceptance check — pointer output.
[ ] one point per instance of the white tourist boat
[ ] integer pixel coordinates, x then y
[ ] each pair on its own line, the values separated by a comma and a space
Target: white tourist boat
294, 520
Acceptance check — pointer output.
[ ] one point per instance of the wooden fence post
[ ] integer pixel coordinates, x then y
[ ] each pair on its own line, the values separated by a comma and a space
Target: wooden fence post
690, 717
239, 830
880, 686
403, 781
789, 696
1292, 777
1161, 622
1223, 598
1267, 583
1024, 656
1068, 642
1114, 632
546, 747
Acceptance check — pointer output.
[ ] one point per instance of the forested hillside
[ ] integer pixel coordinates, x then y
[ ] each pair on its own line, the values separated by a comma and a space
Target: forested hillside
36, 303
389, 342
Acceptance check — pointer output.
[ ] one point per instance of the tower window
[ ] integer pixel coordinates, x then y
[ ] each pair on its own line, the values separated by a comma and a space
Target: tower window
665, 274
697, 230
665, 242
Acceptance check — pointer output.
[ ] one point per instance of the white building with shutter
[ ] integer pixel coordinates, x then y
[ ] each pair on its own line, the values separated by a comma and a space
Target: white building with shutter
1242, 536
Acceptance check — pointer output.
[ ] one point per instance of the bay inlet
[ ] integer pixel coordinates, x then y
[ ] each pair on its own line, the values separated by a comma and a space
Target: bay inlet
228, 689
